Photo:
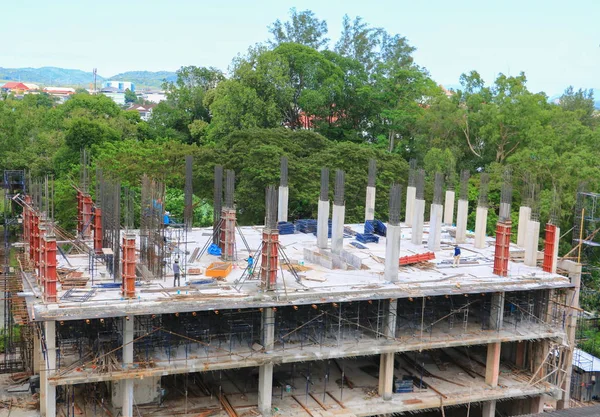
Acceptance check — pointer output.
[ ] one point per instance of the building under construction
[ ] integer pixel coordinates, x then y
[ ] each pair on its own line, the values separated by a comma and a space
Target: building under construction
312, 318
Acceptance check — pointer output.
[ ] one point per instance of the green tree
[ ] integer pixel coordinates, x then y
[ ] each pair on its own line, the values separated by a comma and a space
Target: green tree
303, 28
130, 96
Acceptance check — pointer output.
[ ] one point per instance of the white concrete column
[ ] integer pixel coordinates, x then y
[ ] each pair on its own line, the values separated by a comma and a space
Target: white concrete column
43, 377
531, 242
449, 207
323, 224
462, 214
337, 228
411, 194
417, 223
370, 204
492, 365
481, 227
127, 385
265, 372
386, 363
49, 408
488, 409
282, 207
497, 311
392, 252
505, 211
524, 217
555, 255
435, 228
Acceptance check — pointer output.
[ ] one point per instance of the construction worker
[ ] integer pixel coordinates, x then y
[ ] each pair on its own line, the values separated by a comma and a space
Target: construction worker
176, 273
456, 256
250, 263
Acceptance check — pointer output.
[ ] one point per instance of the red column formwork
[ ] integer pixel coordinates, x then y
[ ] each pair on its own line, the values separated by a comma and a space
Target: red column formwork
269, 261
41, 257
502, 250
86, 210
50, 278
128, 268
227, 234
549, 248
98, 230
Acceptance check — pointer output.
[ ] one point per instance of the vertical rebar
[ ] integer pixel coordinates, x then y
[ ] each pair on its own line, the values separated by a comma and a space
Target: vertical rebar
506, 195
412, 173
483, 190
534, 202
217, 202
395, 205
188, 213
324, 196
372, 173
438, 188
420, 184
283, 179
229, 188
338, 199
464, 185
555, 207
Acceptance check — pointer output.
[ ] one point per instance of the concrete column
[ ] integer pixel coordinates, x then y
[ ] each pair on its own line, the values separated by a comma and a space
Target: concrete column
48, 404
386, 363
531, 242
574, 270
265, 372
370, 204
481, 227
417, 223
488, 409
43, 377
127, 386
337, 228
323, 224
524, 217
37, 353
392, 252
449, 207
492, 365
435, 228
536, 405
520, 354
282, 207
411, 194
462, 214
497, 311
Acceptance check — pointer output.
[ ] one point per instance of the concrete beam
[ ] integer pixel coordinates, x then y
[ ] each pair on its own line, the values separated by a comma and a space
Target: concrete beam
282, 206
265, 372
531, 242
492, 365
337, 229
323, 224
370, 204
462, 214
488, 409
524, 217
411, 195
418, 220
392, 252
435, 228
481, 227
127, 386
449, 207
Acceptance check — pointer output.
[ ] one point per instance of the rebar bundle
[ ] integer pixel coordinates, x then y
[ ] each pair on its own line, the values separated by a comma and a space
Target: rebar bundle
412, 173
555, 207
152, 227
128, 214
483, 190
217, 202
464, 185
420, 184
438, 188
110, 195
534, 202
283, 180
506, 195
85, 176
372, 173
395, 205
324, 195
229, 188
188, 211
271, 197
338, 199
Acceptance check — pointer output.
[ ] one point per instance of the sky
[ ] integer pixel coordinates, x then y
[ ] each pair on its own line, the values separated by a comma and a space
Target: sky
555, 42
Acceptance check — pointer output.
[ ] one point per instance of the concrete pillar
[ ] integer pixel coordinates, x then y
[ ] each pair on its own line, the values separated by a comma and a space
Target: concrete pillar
323, 224
524, 217
43, 377
520, 354
282, 207
386, 363
37, 353
449, 207
392, 252
417, 222
488, 409
505, 211
48, 403
536, 405
462, 214
531, 242
435, 228
370, 204
497, 311
127, 386
481, 227
492, 365
337, 228
265, 372
411, 194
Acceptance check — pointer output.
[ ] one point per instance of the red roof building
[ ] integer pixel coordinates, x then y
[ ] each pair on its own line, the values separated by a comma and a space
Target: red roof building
13, 85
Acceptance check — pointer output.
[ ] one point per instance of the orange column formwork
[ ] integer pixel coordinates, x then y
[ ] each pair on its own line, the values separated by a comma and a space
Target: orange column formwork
86, 209
41, 257
227, 234
79, 212
549, 248
270, 257
98, 230
128, 268
50, 269
502, 250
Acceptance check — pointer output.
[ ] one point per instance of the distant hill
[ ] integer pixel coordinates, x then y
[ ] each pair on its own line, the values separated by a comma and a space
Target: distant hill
53, 76
146, 78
